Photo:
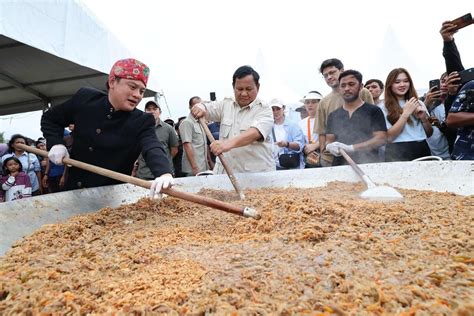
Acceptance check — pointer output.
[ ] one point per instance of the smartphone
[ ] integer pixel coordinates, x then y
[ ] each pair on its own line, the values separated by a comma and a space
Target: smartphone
466, 75
212, 95
462, 21
435, 83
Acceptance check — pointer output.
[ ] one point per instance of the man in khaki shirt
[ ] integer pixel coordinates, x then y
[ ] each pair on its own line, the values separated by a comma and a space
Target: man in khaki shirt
194, 144
331, 69
165, 134
246, 124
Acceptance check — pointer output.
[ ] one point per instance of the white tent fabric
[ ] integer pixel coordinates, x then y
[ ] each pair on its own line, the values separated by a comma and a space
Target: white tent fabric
275, 88
50, 49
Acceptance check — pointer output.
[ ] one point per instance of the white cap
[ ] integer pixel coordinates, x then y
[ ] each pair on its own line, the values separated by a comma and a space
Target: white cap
313, 95
276, 103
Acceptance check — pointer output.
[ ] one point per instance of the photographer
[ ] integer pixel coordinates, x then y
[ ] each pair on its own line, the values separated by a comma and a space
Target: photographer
461, 116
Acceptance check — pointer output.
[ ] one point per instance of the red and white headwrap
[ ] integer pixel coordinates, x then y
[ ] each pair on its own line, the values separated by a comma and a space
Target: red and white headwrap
130, 68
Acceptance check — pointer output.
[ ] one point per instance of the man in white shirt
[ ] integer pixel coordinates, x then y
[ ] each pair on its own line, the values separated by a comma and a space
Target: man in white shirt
245, 126
311, 103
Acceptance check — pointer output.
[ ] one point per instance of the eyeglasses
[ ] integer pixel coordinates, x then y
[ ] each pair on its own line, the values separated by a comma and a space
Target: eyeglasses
330, 73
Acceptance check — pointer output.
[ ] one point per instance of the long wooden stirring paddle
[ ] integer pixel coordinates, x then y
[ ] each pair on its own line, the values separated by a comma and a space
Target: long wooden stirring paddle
206, 201
228, 170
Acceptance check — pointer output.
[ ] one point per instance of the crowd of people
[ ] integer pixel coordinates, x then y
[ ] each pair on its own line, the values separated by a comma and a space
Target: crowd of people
25, 174
372, 122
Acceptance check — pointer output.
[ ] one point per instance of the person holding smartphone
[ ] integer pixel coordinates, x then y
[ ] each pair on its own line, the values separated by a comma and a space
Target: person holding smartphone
434, 99
454, 65
450, 51
406, 118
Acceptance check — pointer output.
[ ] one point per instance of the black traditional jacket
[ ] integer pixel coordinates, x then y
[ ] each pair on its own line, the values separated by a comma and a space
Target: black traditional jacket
103, 137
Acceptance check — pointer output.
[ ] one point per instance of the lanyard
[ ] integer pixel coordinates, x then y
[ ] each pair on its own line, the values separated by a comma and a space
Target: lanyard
309, 130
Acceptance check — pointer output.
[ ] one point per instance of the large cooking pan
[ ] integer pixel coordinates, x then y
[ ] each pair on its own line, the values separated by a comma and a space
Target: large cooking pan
20, 218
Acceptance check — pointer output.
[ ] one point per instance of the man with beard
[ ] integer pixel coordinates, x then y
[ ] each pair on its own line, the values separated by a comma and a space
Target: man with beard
331, 69
357, 127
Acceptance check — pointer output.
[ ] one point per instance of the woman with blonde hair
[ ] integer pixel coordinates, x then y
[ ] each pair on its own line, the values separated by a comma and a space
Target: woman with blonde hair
406, 117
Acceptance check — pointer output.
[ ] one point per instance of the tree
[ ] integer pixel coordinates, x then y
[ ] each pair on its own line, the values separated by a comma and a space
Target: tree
2, 139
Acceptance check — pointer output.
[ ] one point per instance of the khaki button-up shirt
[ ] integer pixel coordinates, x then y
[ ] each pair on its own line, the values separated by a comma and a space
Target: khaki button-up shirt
167, 136
192, 132
255, 157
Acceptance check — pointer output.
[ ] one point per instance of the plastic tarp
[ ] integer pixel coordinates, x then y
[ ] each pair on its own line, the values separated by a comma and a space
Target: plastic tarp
50, 49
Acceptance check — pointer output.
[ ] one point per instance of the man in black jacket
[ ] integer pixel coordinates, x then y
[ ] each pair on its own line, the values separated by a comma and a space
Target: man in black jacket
109, 131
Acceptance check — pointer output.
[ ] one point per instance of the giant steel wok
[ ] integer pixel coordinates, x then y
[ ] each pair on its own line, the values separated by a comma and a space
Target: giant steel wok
22, 217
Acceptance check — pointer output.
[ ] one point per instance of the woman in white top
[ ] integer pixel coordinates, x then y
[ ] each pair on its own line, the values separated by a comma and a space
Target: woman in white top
311, 147
406, 118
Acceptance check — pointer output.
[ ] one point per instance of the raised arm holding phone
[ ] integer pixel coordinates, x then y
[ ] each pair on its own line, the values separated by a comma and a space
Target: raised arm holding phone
450, 50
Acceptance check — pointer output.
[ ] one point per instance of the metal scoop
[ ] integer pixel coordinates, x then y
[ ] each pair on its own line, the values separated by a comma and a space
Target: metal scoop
373, 192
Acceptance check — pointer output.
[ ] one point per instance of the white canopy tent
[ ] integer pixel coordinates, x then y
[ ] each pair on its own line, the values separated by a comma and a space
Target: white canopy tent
50, 49
275, 88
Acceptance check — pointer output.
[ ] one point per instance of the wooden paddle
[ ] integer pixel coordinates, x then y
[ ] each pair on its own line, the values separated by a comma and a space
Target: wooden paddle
206, 201
223, 162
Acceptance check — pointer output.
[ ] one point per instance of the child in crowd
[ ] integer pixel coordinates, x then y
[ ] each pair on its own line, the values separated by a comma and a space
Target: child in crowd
15, 183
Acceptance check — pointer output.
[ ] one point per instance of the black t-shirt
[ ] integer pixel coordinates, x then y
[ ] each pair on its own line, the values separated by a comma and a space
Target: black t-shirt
104, 137
358, 128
